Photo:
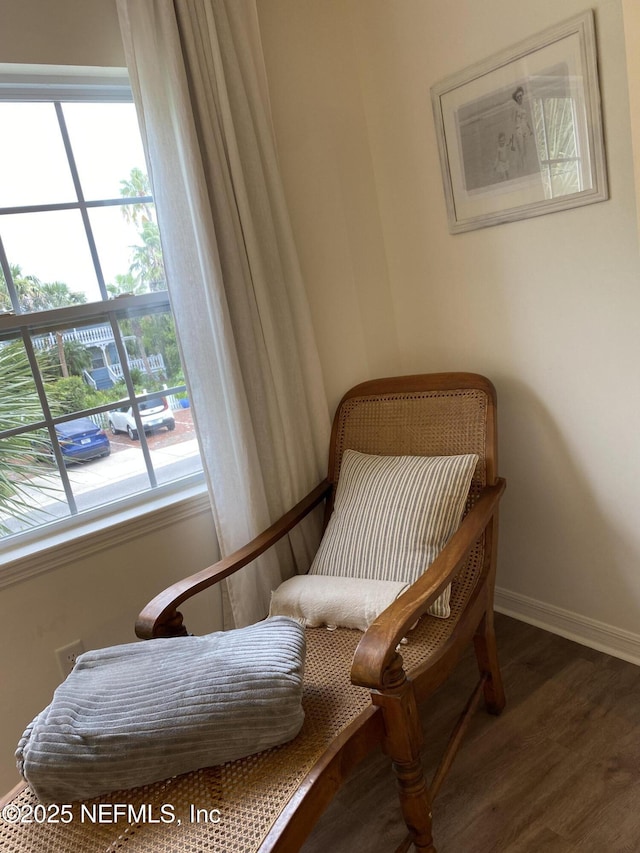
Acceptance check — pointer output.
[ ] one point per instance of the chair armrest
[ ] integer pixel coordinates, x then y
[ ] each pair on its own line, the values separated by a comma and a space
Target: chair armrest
377, 649
160, 617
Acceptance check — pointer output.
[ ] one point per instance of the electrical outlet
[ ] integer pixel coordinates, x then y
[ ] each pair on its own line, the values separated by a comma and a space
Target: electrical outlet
66, 656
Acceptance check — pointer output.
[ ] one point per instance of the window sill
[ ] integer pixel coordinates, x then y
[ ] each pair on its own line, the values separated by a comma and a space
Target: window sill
79, 537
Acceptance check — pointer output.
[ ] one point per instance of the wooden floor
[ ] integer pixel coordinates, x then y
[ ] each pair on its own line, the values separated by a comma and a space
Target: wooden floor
557, 772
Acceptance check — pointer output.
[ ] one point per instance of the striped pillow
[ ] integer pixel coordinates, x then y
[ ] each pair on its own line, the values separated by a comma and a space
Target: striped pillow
393, 515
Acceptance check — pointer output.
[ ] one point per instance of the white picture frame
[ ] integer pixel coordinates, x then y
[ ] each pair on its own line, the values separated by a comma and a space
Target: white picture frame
520, 134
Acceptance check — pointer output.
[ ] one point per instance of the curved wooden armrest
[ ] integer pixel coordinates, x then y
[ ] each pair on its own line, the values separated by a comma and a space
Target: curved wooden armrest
377, 649
160, 617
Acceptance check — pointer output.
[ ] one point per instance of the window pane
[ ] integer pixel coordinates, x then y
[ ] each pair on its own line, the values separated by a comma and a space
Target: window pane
106, 144
25, 484
51, 251
177, 454
106, 479
80, 366
31, 492
168, 431
129, 249
167, 422
19, 400
33, 163
5, 299
153, 351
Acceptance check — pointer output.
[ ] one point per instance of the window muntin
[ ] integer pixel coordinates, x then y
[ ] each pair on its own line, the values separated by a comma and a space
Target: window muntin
88, 300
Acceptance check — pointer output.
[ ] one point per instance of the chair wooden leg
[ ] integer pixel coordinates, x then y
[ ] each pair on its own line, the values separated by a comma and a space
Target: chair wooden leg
415, 804
406, 846
487, 656
402, 744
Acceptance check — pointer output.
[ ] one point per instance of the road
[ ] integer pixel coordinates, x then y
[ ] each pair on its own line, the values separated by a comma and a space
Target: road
122, 474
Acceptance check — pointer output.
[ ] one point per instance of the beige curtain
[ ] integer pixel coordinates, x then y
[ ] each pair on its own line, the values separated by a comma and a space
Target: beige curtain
234, 280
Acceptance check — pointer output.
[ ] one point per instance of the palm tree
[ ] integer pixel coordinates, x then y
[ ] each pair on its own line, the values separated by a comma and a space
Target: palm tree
137, 186
125, 283
57, 294
147, 264
27, 288
19, 404
36, 295
75, 356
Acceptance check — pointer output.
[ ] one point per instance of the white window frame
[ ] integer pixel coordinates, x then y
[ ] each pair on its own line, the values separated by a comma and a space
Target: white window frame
44, 548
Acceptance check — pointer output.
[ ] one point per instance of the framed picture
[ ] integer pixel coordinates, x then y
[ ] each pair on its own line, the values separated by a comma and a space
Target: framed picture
520, 134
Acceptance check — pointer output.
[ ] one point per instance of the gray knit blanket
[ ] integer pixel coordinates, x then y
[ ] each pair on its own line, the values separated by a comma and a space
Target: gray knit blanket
139, 713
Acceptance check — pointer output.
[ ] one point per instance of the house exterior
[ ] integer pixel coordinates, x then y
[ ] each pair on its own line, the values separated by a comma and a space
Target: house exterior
105, 370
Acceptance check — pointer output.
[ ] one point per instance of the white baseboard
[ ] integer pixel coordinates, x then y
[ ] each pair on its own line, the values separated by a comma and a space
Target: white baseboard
589, 632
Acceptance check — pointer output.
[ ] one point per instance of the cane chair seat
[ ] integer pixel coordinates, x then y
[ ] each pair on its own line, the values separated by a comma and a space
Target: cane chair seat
252, 792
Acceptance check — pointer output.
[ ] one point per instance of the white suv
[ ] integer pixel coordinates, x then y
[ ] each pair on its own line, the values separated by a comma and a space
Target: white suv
153, 413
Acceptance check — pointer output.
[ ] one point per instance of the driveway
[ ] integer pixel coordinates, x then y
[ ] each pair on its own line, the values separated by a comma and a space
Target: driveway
97, 482
184, 431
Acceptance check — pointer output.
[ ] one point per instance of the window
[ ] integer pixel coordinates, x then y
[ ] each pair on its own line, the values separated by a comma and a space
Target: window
94, 409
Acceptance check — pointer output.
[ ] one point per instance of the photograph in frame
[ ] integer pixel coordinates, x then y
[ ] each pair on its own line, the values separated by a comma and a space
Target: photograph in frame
520, 134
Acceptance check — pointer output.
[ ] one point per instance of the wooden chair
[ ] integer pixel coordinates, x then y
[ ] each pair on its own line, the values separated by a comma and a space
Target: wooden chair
359, 691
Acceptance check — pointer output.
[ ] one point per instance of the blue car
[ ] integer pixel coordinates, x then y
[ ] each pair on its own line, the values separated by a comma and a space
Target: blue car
81, 440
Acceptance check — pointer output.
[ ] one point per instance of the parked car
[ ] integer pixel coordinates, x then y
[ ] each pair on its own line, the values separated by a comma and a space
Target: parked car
81, 440
154, 414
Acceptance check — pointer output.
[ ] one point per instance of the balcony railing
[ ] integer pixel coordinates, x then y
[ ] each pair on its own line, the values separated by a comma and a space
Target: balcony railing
93, 336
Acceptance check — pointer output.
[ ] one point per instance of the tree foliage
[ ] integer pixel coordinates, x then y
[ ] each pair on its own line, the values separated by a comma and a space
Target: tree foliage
147, 264
72, 394
19, 405
136, 186
36, 295
76, 357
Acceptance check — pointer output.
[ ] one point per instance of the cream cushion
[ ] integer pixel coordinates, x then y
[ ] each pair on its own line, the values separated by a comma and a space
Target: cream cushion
393, 515
316, 600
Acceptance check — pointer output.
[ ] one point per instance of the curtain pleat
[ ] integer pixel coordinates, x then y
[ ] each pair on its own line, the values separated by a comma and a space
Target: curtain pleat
234, 280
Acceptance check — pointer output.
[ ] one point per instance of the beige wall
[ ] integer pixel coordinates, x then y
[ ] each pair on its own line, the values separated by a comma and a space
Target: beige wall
64, 32
95, 599
549, 308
